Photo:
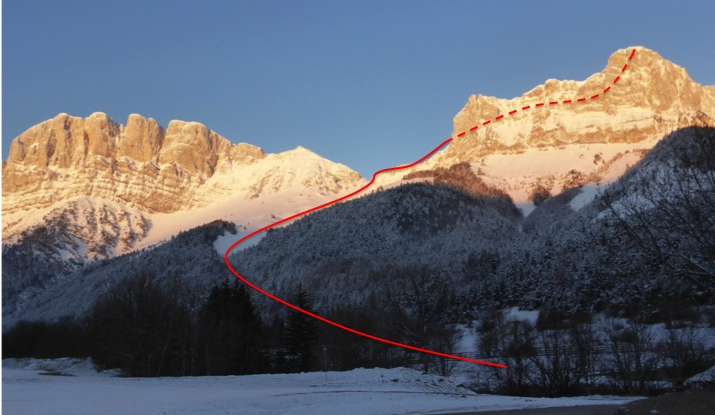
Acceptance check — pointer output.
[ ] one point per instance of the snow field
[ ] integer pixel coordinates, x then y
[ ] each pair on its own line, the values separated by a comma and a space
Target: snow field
360, 391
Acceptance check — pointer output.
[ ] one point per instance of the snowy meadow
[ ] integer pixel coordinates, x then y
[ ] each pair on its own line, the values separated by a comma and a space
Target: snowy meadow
63, 386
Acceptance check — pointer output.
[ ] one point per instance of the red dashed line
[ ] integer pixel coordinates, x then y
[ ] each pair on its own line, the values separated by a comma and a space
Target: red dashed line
541, 104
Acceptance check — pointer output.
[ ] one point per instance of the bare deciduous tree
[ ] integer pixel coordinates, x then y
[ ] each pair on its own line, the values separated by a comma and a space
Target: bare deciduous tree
667, 208
631, 358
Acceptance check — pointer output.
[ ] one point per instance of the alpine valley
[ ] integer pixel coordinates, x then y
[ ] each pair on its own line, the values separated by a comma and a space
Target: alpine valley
558, 208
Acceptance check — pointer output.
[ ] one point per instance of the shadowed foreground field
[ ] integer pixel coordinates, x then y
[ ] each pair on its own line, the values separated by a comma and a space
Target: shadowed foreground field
575, 410
690, 402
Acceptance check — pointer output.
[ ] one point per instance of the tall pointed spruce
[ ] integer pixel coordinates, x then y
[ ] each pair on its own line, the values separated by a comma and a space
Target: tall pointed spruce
300, 337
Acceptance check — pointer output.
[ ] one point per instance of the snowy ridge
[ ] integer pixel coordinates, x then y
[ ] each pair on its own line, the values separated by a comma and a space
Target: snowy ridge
557, 170
101, 207
82, 229
579, 143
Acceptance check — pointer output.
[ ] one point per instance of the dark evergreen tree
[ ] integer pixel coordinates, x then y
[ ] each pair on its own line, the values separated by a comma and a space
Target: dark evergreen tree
65, 338
142, 328
230, 333
301, 335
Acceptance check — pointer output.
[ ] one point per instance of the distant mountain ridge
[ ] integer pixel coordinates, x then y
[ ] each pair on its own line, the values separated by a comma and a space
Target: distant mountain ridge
103, 187
80, 193
99, 189
554, 147
566, 256
142, 164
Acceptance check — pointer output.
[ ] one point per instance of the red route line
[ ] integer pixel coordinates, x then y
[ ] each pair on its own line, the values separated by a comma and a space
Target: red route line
568, 101
331, 322
349, 329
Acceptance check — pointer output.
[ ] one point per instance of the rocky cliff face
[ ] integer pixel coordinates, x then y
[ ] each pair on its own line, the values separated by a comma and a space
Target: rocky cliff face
560, 145
652, 96
91, 171
141, 164
142, 171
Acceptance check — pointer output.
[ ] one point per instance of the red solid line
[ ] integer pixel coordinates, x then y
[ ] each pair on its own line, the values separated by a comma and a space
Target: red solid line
512, 112
568, 101
374, 176
328, 321
500, 117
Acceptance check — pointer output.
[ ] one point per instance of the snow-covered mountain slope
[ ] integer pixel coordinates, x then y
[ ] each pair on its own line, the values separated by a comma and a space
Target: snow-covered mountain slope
82, 229
553, 147
477, 251
92, 188
36, 287
105, 189
348, 254
571, 254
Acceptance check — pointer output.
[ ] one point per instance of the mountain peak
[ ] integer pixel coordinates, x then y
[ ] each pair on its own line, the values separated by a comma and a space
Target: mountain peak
648, 85
98, 114
300, 150
140, 164
638, 98
184, 155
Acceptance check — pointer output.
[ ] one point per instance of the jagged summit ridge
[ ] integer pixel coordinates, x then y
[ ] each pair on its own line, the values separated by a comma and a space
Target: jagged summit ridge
66, 141
141, 164
554, 147
186, 166
654, 96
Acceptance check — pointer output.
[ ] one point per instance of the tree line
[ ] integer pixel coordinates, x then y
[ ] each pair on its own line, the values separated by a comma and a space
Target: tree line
562, 357
146, 329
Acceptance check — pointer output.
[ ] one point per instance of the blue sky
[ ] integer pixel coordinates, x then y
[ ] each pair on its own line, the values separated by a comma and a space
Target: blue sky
370, 84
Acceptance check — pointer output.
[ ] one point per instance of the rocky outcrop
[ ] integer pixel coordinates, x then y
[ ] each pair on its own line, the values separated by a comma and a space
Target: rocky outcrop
140, 164
550, 147
91, 186
651, 98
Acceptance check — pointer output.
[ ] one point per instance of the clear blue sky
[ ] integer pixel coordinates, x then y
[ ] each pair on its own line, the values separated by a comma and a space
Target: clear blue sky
370, 84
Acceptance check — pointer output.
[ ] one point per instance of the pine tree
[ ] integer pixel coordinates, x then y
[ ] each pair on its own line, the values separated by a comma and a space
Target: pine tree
140, 327
300, 337
230, 339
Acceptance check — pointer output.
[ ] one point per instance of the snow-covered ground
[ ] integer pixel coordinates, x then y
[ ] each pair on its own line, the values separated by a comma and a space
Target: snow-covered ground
71, 386
598, 163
